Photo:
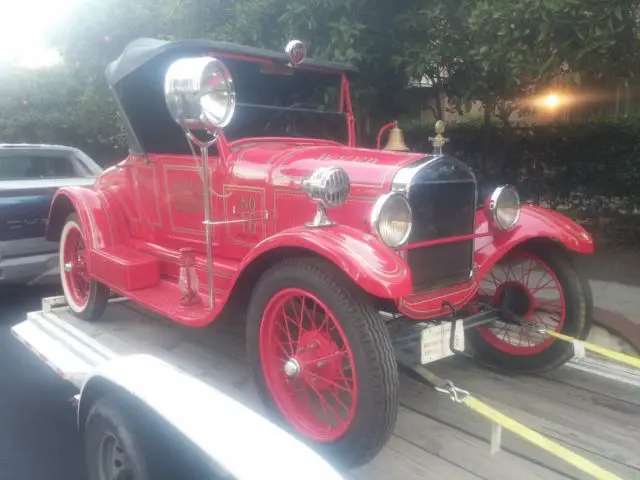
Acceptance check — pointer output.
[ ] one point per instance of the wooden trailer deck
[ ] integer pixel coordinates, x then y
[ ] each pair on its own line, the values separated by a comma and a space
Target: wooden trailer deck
596, 417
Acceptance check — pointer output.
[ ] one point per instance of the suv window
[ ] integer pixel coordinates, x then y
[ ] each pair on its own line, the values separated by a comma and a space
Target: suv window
33, 167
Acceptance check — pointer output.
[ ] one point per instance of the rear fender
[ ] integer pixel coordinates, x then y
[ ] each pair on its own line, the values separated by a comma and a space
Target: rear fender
535, 223
373, 266
102, 221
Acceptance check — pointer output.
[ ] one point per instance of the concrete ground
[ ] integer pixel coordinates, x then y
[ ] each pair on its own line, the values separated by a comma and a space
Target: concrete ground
614, 276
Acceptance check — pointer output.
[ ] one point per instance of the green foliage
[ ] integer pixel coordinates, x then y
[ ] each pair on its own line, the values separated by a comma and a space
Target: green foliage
500, 51
495, 51
58, 105
557, 162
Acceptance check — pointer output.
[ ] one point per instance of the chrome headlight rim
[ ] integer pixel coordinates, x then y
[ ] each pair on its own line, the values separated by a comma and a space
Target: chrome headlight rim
377, 211
199, 92
494, 206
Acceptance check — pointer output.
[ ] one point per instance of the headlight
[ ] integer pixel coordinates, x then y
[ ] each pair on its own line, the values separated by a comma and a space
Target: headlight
199, 92
391, 219
504, 207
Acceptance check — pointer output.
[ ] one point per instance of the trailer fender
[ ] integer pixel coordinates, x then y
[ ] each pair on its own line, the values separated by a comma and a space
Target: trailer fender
101, 219
375, 267
535, 223
211, 420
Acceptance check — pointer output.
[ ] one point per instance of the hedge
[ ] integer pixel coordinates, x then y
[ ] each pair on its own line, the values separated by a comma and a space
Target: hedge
589, 170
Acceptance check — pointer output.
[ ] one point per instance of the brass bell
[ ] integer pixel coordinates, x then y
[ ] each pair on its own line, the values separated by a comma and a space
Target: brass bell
396, 140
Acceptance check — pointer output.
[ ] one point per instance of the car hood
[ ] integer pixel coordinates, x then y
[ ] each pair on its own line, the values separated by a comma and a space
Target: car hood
370, 171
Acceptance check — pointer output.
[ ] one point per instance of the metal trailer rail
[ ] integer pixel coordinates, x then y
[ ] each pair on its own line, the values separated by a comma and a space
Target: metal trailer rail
590, 407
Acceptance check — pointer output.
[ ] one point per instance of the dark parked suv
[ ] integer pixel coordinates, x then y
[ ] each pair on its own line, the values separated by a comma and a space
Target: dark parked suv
29, 177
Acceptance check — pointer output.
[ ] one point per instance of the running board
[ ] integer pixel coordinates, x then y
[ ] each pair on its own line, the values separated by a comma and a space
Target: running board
69, 352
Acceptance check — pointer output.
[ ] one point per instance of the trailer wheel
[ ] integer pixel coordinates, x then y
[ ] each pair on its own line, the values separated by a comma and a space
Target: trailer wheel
86, 297
322, 359
114, 446
542, 287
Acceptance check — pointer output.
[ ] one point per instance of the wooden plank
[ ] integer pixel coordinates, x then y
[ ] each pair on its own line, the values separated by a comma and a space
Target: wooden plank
614, 435
433, 436
590, 383
424, 400
465, 451
401, 460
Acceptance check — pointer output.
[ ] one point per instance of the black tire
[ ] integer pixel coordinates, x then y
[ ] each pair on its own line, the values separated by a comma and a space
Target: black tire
375, 364
98, 293
578, 320
153, 449
112, 419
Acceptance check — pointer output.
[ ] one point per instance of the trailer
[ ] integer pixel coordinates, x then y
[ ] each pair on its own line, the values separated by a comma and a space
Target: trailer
149, 416
194, 385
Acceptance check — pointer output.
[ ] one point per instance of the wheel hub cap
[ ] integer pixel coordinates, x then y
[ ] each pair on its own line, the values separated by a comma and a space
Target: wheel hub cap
515, 297
292, 368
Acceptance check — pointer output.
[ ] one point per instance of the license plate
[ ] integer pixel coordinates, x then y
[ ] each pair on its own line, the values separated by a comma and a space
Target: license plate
434, 341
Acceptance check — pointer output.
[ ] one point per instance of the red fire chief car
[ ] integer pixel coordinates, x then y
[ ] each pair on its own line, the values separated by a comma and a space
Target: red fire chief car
245, 196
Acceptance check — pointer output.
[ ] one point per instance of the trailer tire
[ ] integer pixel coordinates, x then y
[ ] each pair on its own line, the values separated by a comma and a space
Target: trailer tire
86, 297
114, 442
359, 340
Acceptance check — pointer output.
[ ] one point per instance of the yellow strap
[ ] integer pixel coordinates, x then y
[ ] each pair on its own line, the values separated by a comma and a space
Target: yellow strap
620, 357
534, 437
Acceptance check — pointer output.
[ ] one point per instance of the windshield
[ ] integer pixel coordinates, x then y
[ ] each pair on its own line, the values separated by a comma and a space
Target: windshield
274, 101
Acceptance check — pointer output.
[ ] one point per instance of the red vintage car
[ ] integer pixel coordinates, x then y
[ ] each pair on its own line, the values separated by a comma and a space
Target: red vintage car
245, 196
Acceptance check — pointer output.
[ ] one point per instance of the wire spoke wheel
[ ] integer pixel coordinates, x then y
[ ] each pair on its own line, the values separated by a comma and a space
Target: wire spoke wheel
75, 266
308, 365
322, 359
528, 287
86, 297
537, 289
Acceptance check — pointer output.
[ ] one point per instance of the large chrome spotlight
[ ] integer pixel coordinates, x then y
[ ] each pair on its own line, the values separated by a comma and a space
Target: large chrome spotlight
329, 187
391, 219
504, 207
199, 92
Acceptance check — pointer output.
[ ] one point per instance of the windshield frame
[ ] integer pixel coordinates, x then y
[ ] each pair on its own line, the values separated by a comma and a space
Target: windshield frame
345, 107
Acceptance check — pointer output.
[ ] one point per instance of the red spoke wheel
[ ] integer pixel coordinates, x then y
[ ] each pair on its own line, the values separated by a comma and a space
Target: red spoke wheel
323, 360
86, 297
542, 288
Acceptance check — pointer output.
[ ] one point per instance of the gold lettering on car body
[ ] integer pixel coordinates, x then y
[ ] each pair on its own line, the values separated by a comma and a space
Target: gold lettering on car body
350, 158
248, 213
187, 195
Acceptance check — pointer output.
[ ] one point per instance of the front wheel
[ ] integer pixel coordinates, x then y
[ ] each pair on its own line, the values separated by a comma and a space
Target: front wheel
87, 298
542, 288
322, 359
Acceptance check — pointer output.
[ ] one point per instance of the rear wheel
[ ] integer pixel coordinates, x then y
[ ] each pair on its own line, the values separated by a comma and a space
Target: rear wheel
86, 297
114, 448
543, 289
322, 359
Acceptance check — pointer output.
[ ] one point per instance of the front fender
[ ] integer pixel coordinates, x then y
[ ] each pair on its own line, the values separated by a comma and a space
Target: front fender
535, 223
208, 418
375, 267
101, 224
